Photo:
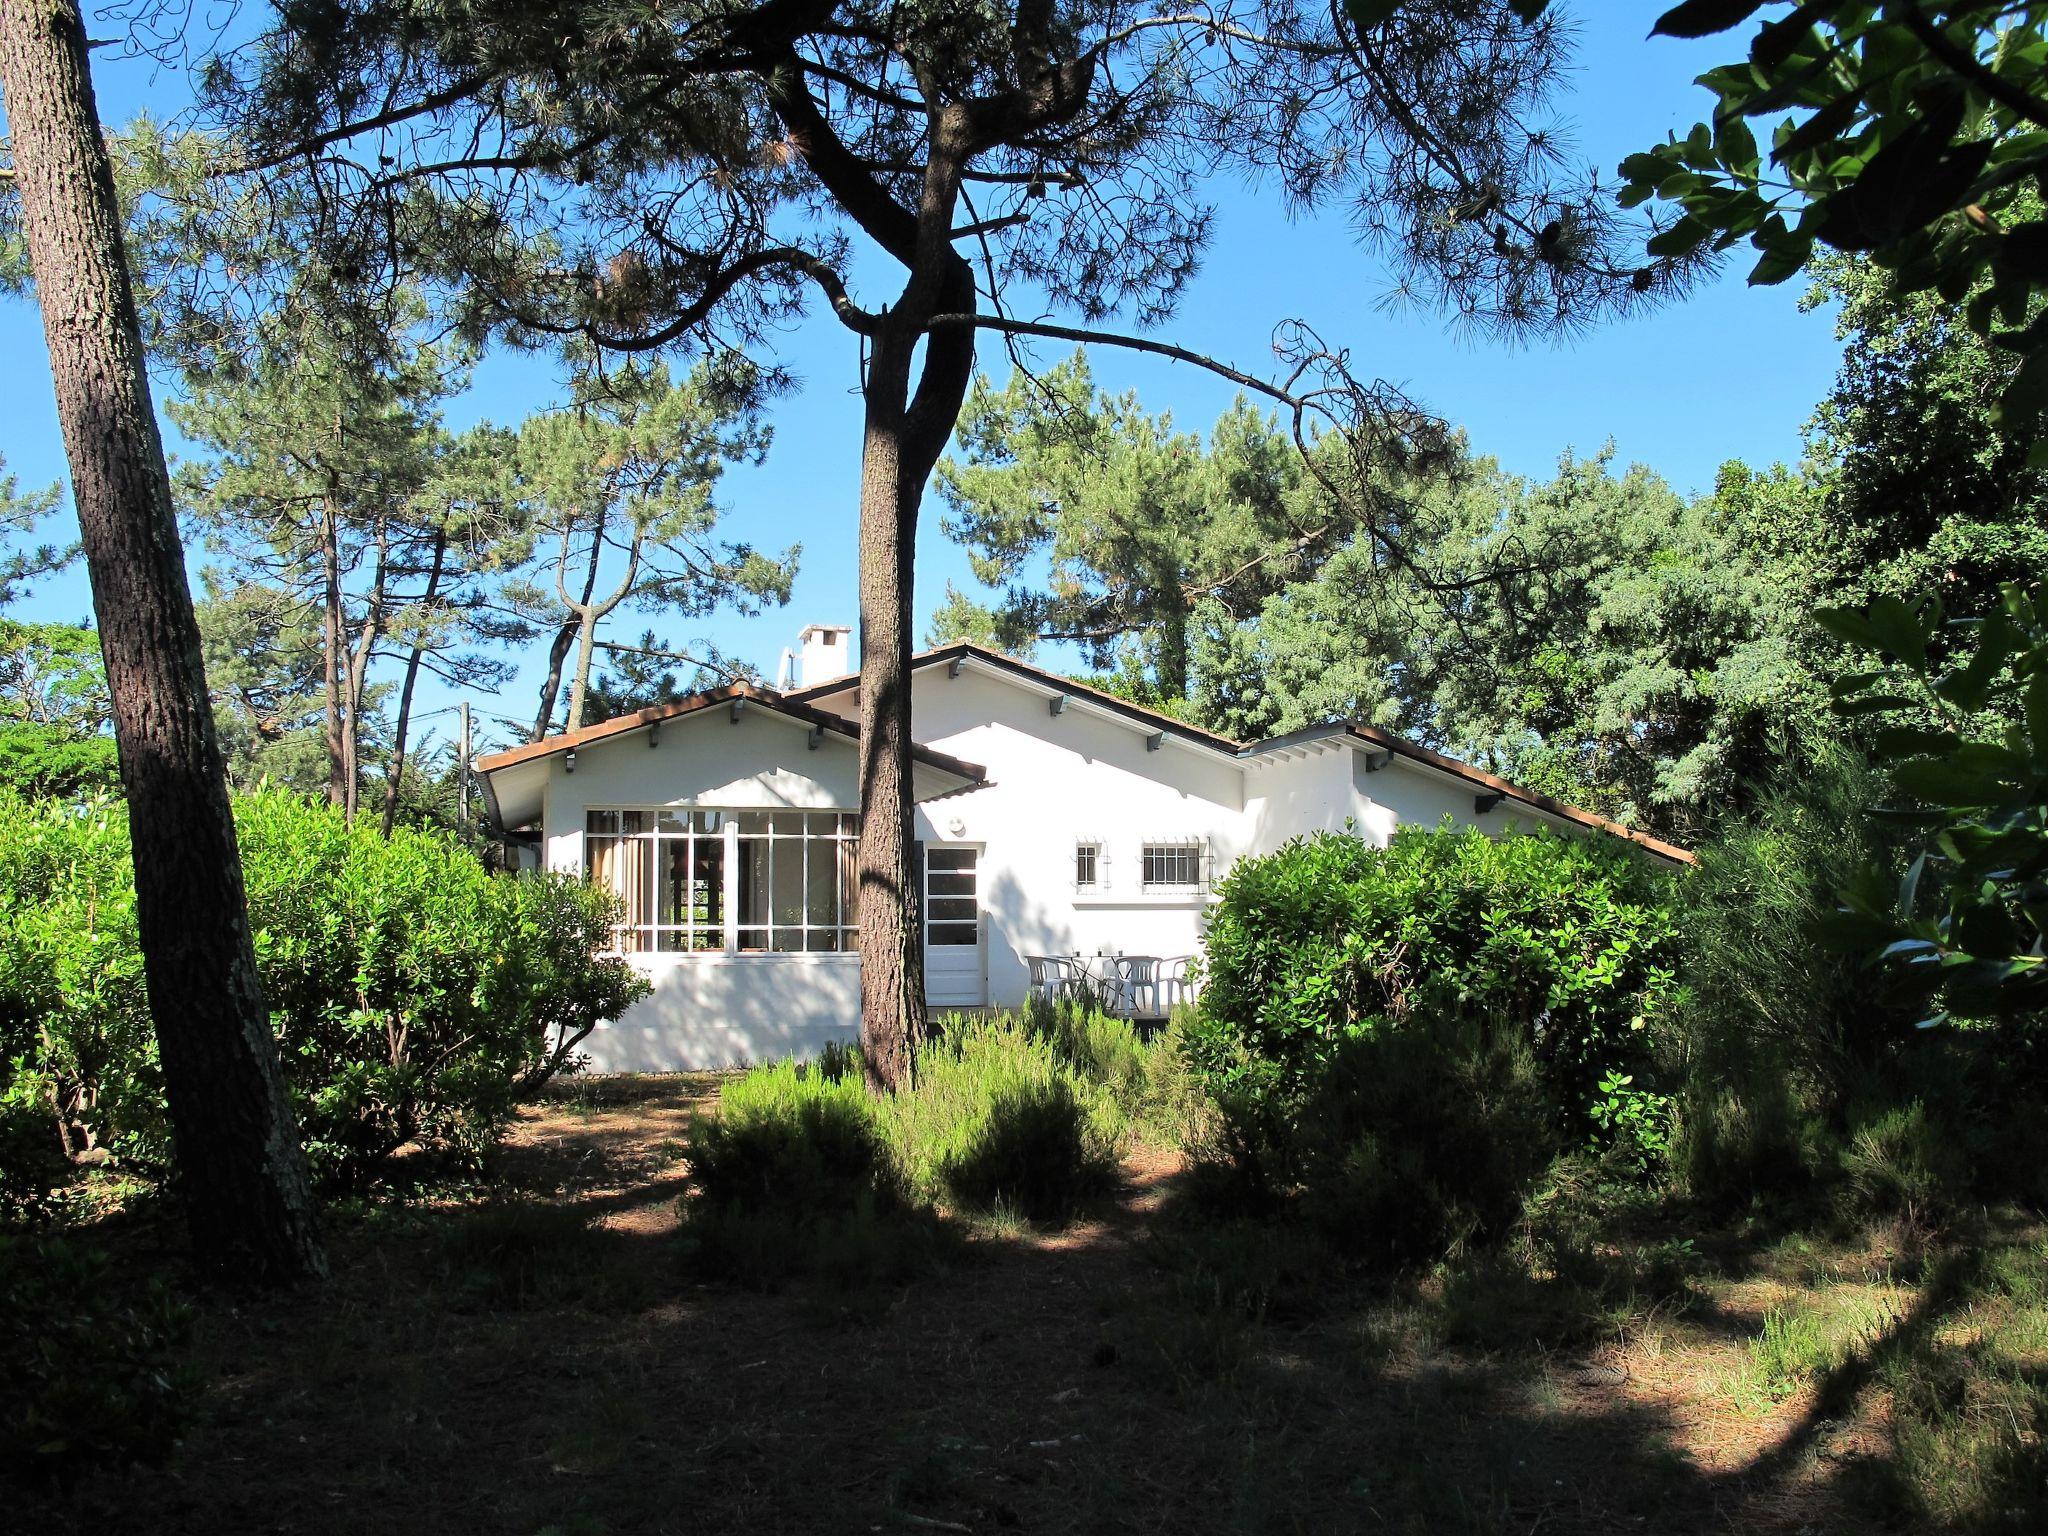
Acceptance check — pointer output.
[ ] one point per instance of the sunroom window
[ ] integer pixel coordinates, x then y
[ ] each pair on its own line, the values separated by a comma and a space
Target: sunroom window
719, 880
796, 881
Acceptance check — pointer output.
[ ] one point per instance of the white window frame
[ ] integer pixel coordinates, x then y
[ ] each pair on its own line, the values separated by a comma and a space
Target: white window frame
1099, 856
844, 838
1195, 848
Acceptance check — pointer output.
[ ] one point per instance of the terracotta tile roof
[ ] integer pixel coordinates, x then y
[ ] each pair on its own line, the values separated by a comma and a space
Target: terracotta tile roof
1402, 747
1139, 714
767, 698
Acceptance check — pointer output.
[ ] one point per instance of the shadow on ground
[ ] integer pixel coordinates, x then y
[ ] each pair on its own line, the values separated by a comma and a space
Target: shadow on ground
544, 1362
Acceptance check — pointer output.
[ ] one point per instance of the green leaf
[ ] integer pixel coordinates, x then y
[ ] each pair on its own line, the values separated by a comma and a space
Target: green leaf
2026, 395
1779, 262
1823, 125
1849, 626
1894, 742
2036, 704
1700, 18
1899, 629
1681, 239
1873, 704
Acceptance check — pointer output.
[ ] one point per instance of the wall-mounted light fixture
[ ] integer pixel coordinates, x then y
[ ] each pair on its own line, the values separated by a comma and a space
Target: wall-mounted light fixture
569, 761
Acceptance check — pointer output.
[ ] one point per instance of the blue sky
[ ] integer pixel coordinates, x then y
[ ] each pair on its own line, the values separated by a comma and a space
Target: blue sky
1732, 372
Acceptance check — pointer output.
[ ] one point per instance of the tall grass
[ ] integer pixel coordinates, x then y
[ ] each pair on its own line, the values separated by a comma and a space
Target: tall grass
803, 1170
997, 1118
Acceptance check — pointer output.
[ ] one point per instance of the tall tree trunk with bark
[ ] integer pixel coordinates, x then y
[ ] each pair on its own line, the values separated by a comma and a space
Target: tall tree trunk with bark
244, 1175
891, 958
592, 613
906, 432
332, 622
358, 675
565, 636
394, 774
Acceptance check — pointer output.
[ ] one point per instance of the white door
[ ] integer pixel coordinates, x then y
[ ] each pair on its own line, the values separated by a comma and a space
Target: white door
953, 970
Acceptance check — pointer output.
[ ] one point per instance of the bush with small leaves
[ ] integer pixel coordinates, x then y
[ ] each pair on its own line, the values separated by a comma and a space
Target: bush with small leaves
90, 1374
1424, 1140
1566, 946
415, 995
794, 1174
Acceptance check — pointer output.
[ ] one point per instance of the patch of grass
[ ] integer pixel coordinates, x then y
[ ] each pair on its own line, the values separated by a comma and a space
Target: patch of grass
517, 1253
1494, 1302
1798, 1345
855, 1249
1967, 1429
1968, 1409
89, 1373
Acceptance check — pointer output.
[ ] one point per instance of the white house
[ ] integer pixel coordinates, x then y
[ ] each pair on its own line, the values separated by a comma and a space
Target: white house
1053, 820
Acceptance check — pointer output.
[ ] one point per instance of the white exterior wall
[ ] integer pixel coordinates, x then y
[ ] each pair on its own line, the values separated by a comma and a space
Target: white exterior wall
1055, 781
1085, 775
1300, 794
712, 1010
1325, 786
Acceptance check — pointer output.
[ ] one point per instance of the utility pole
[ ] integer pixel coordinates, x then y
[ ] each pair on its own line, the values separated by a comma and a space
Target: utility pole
462, 770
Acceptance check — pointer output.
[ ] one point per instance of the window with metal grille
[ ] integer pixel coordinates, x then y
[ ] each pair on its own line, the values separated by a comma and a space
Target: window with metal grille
1172, 866
1087, 865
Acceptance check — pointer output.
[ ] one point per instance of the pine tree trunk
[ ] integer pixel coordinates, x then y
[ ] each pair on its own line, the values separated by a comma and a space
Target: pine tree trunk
906, 433
244, 1176
579, 685
892, 1012
394, 776
565, 637
358, 678
332, 619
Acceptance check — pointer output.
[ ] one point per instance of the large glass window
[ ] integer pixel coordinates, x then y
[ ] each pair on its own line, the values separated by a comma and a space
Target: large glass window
796, 881
787, 876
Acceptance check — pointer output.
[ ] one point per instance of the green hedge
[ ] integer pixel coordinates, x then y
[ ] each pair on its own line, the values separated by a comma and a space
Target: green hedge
1565, 945
414, 993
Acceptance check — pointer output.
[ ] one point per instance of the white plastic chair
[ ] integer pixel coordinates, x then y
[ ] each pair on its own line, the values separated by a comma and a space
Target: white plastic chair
1138, 981
1170, 984
1052, 977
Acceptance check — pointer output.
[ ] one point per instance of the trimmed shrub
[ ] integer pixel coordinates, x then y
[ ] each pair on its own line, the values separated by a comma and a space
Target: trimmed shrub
795, 1175
1152, 1081
415, 995
1421, 1141
996, 1118
90, 1377
793, 1138
1566, 946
